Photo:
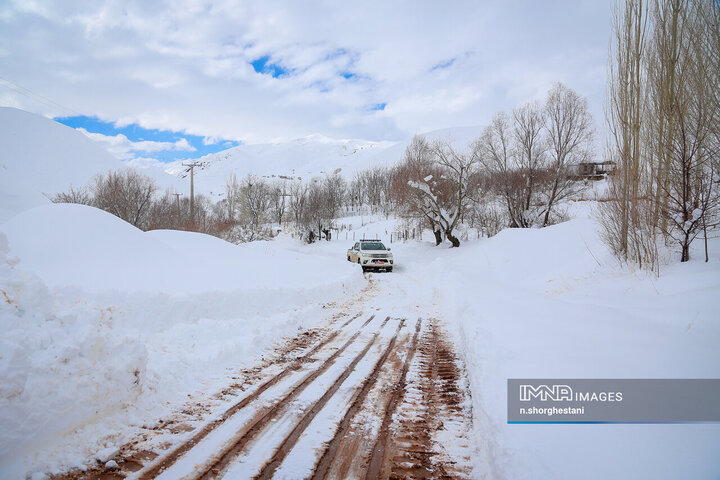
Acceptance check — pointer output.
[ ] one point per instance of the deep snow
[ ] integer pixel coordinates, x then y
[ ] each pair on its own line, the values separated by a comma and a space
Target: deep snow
107, 327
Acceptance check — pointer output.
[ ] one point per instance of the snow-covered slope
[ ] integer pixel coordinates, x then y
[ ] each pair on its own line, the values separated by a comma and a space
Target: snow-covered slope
39, 156
78, 246
305, 158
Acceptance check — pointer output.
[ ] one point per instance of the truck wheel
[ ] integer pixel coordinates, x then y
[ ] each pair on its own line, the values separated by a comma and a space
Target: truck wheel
358, 261
389, 269
364, 269
348, 258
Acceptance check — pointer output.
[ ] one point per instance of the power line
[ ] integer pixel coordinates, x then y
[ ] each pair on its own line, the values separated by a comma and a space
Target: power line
36, 96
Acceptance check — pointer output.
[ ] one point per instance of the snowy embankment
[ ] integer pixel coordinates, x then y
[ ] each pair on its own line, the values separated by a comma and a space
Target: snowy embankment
106, 327
553, 303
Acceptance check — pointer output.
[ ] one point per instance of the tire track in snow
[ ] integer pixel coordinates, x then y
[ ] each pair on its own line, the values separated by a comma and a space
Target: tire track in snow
291, 439
377, 457
430, 417
389, 406
223, 458
343, 445
168, 460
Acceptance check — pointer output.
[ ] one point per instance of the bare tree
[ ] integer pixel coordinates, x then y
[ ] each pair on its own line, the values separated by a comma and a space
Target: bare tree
688, 116
163, 213
530, 151
233, 197
569, 127
416, 165
438, 176
627, 219
278, 200
495, 150
298, 200
127, 194
663, 117
319, 211
334, 191
255, 201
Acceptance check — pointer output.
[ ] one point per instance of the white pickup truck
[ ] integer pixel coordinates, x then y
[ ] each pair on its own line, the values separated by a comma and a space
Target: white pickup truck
371, 255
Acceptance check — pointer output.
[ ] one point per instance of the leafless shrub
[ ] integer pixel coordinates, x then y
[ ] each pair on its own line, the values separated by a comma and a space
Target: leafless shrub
127, 194
73, 195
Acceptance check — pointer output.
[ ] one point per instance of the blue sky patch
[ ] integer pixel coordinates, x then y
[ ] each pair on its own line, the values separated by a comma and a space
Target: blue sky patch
443, 65
262, 65
378, 106
168, 146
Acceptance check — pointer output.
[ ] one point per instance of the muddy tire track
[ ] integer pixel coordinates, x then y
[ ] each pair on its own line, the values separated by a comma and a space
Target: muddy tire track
411, 451
172, 457
291, 439
256, 425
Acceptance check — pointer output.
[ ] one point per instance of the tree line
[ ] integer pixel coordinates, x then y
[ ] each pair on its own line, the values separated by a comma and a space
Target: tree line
663, 113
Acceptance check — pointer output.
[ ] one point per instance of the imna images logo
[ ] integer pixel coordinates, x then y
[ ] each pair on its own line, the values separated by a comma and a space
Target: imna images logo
555, 393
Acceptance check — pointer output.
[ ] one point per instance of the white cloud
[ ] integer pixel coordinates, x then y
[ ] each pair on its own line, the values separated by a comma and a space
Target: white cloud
184, 66
125, 149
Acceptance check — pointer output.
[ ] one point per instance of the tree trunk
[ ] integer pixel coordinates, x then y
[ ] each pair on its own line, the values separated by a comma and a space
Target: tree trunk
685, 249
453, 239
438, 237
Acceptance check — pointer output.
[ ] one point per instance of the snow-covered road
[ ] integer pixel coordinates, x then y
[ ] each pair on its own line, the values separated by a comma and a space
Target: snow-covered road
375, 391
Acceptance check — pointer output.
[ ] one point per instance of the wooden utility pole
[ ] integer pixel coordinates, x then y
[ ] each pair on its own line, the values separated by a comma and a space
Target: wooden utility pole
177, 197
191, 168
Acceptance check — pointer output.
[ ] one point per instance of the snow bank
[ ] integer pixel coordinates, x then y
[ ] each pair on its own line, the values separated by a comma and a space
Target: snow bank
39, 156
553, 303
106, 327
75, 245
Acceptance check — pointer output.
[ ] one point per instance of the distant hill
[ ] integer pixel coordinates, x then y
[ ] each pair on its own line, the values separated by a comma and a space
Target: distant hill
304, 158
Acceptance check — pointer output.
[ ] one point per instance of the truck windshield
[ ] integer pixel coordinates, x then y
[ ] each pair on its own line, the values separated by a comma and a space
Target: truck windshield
373, 246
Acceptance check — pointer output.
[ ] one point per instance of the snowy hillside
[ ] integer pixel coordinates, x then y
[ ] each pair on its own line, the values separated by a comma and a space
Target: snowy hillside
305, 158
40, 157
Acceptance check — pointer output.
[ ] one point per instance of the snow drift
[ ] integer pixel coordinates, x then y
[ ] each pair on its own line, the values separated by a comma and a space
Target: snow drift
107, 327
39, 156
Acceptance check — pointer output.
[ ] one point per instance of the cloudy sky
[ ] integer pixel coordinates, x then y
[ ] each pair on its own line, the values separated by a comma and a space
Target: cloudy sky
188, 77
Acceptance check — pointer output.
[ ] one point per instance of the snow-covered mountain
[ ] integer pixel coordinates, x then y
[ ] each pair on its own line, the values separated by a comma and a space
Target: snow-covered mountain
40, 157
300, 158
304, 158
